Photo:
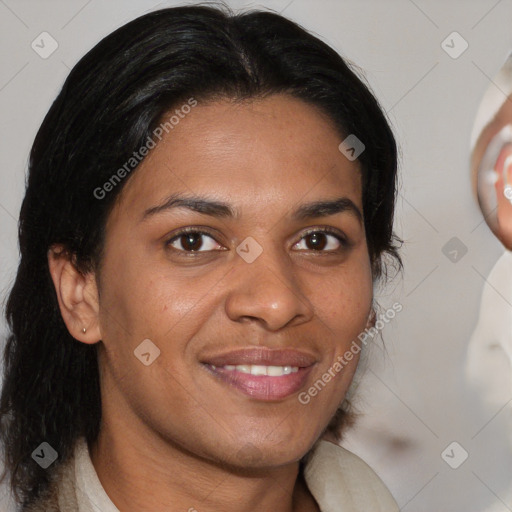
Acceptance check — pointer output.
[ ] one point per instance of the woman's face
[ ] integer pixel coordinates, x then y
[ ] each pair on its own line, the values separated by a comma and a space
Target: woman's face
249, 290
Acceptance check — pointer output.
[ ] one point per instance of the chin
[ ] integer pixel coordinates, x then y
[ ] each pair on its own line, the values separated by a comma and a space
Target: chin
278, 451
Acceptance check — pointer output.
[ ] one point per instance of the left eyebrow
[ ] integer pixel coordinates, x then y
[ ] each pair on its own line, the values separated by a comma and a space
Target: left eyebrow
214, 208
326, 208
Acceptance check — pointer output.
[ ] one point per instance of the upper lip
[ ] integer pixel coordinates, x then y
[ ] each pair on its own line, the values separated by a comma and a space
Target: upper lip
262, 356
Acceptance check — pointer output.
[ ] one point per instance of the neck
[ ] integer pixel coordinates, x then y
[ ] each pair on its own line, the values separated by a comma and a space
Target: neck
142, 473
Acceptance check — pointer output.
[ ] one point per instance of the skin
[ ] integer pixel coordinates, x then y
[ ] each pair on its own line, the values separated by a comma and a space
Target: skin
502, 228
172, 434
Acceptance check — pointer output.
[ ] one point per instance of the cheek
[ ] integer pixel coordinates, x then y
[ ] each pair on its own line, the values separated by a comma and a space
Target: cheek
150, 302
344, 303
146, 298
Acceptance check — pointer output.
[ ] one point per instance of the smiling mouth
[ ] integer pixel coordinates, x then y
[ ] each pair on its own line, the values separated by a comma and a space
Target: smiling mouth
261, 373
256, 369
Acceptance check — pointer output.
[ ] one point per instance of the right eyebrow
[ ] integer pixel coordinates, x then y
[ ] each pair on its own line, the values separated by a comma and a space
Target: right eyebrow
195, 203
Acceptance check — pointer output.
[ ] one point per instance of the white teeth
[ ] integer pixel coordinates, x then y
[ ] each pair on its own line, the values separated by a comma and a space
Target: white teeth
277, 371
258, 370
255, 369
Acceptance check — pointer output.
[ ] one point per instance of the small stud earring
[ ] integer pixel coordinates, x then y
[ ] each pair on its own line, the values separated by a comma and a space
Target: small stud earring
84, 330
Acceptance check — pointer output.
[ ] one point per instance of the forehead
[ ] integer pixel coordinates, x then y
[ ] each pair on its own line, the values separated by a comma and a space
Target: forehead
269, 151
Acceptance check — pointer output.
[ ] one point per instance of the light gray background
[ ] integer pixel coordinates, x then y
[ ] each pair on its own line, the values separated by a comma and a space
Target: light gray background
414, 398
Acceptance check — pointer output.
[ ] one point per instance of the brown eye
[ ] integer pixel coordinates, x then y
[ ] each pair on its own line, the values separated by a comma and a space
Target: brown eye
191, 241
321, 241
316, 241
194, 241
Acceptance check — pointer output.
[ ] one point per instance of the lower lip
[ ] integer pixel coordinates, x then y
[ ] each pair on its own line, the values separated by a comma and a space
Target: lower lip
263, 387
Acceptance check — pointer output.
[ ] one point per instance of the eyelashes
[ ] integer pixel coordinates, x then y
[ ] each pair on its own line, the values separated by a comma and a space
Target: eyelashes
191, 241
190, 237
327, 232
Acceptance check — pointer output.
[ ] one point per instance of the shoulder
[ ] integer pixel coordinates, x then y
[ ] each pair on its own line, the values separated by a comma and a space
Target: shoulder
338, 478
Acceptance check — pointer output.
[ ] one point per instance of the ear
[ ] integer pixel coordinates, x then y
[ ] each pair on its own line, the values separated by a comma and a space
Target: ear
77, 294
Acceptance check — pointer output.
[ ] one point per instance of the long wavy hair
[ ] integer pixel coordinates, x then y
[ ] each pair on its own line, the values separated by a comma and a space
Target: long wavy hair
110, 103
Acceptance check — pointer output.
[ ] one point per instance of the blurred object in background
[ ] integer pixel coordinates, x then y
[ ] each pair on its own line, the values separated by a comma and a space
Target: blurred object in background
490, 350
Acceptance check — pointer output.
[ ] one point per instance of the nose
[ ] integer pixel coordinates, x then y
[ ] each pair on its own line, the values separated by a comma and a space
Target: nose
267, 291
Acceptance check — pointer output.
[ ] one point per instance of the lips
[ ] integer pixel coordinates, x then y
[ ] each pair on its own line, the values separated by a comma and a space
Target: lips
262, 373
262, 356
